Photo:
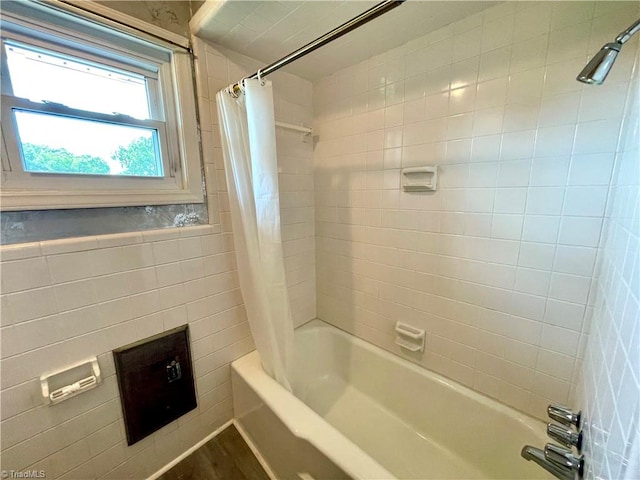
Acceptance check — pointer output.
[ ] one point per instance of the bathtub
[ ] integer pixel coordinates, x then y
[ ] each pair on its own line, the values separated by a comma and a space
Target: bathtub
360, 412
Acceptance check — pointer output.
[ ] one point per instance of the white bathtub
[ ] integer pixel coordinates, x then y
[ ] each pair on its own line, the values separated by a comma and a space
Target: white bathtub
360, 412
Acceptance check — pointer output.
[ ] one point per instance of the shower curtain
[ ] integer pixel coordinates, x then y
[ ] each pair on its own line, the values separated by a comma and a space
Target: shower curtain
247, 128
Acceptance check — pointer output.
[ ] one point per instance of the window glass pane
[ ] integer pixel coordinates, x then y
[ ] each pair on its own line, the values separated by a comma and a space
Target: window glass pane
57, 144
39, 75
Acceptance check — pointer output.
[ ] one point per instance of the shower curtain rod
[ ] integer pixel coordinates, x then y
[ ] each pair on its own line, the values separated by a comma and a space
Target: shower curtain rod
364, 17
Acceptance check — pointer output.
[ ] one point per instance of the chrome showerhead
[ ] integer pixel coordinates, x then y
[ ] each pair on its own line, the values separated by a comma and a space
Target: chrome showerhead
598, 68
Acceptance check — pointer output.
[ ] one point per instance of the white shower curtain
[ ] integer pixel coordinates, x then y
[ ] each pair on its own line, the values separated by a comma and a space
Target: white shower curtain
247, 128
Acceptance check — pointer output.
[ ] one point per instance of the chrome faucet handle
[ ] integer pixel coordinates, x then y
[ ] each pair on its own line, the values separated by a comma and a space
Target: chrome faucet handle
564, 415
563, 457
565, 436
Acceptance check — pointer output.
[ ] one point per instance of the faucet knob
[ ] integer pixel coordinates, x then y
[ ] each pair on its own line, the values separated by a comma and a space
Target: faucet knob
565, 436
564, 415
563, 457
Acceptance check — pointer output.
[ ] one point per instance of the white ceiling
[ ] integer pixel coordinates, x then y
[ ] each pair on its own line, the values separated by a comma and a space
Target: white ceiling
268, 30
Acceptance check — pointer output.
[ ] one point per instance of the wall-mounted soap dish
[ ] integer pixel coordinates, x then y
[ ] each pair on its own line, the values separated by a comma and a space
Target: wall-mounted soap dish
420, 179
409, 337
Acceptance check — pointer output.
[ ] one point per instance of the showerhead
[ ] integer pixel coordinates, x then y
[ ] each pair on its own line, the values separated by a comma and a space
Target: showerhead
598, 68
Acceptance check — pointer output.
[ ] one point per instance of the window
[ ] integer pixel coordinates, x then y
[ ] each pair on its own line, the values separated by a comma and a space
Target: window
92, 115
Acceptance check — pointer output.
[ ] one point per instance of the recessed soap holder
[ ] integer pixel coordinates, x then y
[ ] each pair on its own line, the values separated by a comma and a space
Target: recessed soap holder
409, 337
420, 179
70, 381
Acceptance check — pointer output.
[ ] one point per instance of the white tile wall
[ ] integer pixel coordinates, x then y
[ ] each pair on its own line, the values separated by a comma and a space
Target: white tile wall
78, 298
609, 392
497, 264
66, 300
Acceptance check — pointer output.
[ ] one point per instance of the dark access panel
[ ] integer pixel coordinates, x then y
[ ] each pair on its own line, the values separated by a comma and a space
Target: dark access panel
155, 379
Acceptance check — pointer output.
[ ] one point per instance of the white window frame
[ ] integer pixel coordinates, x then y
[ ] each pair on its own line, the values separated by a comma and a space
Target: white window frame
51, 26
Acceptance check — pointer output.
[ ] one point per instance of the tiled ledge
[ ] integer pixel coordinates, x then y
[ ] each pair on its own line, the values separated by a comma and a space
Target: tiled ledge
21, 251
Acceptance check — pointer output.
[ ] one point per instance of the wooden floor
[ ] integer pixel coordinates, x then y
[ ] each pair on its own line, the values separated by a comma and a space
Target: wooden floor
225, 457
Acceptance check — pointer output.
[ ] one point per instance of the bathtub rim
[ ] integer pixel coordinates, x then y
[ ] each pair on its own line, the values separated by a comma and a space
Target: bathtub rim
306, 424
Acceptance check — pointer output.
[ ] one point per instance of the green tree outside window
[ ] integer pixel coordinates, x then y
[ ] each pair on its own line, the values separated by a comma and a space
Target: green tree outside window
137, 159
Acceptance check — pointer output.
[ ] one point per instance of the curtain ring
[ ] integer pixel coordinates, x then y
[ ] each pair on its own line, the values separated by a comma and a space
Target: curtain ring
241, 88
231, 91
235, 93
260, 77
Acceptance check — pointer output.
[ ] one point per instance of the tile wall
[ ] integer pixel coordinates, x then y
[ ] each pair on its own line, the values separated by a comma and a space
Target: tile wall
497, 264
66, 300
609, 394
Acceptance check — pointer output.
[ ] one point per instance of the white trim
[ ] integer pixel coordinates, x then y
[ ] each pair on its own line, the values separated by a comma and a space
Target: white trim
91, 8
247, 439
204, 16
189, 451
